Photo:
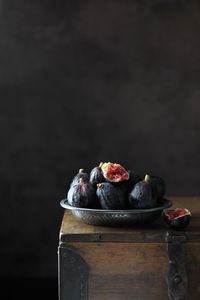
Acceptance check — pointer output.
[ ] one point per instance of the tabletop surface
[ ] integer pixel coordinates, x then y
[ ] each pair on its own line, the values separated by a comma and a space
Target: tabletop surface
75, 230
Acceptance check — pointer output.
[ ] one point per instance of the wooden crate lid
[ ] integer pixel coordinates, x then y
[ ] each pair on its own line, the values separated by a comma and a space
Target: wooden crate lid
74, 230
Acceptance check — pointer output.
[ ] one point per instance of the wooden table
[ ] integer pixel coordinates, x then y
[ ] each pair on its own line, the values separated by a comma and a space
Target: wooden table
136, 263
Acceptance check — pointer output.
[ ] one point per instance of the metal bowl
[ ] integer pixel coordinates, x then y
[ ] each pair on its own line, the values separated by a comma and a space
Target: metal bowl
106, 217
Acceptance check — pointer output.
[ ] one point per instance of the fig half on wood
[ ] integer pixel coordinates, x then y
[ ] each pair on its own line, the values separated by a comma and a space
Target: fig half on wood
178, 218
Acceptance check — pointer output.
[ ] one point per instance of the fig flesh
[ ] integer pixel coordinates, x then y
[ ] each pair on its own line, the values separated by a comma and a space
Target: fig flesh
110, 196
178, 218
114, 172
81, 194
142, 196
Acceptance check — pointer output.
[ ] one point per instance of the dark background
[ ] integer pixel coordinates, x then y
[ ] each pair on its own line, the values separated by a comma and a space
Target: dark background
83, 82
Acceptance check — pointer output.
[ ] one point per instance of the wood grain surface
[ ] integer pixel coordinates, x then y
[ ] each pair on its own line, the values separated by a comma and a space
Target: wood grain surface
130, 263
134, 271
75, 230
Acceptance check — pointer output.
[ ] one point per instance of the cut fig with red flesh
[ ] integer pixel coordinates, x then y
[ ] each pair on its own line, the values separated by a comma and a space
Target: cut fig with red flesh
178, 218
114, 172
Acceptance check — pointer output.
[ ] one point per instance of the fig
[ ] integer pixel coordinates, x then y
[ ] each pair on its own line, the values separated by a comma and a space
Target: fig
178, 218
81, 194
96, 175
110, 196
81, 174
133, 179
158, 186
114, 172
142, 195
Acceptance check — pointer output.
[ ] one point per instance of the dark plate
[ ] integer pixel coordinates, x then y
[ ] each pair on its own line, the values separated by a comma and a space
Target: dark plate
106, 217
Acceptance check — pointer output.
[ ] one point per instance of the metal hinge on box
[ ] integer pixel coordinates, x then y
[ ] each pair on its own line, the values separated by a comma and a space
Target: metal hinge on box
176, 276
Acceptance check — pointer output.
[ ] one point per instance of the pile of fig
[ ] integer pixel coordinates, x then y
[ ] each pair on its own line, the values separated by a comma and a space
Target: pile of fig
111, 186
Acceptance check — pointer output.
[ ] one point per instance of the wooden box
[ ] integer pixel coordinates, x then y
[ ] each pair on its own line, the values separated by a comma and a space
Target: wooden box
138, 263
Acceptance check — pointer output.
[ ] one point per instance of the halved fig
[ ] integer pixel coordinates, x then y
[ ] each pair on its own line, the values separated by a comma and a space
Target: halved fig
114, 172
178, 218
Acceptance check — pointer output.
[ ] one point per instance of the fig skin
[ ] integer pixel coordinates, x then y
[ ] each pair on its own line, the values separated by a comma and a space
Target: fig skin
82, 195
158, 186
142, 196
80, 174
179, 223
96, 175
133, 179
127, 185
110, 196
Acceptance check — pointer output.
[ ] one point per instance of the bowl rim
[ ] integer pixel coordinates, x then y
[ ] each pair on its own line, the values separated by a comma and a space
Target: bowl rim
166, 204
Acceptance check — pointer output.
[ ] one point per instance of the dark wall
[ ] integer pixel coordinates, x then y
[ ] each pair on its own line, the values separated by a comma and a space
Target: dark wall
89, 81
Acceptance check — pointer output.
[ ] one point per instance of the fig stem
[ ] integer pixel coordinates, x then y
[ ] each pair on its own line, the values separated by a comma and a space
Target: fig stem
147, 177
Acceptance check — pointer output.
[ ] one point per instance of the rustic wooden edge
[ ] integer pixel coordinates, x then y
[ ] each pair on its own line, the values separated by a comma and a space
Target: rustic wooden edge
136, 237
72, 274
